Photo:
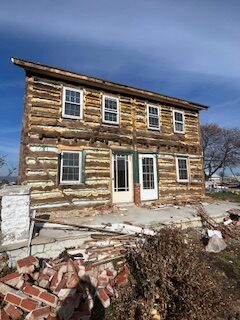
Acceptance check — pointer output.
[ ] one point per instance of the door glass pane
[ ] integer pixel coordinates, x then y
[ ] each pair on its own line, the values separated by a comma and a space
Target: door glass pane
148, 173
121, 181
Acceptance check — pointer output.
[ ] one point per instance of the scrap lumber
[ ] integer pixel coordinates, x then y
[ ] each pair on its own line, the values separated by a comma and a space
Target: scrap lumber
116, 228
84, 227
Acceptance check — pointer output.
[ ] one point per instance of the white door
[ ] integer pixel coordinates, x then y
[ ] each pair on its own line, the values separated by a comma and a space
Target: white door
148, 176
122, 178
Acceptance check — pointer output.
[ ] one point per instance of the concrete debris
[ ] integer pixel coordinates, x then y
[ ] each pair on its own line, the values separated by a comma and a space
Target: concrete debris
67, 287
216, 244
128, 229
216, 233
227, 229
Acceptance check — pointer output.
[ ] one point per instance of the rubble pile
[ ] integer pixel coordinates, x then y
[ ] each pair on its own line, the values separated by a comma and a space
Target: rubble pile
67, 287
169, 280
233, 217
229, 227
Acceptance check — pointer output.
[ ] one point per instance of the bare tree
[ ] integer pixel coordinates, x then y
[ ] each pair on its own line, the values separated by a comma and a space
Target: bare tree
221, 148
10, 169
2, 161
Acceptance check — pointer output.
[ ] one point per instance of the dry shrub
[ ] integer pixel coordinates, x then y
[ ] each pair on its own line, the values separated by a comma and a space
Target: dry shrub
168, 274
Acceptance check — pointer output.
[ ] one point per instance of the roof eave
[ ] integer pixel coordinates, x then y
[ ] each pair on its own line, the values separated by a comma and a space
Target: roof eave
102, 84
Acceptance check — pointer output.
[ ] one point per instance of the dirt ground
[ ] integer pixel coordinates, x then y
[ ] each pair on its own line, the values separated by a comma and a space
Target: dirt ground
225, 268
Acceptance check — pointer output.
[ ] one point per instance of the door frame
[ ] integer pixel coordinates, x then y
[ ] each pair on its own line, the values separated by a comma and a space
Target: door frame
130, 175
156, 175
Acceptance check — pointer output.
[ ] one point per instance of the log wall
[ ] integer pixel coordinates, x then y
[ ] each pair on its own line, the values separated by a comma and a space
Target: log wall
46, 133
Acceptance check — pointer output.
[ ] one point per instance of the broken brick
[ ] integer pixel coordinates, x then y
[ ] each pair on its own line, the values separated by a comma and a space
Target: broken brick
81, 271
41, 294
48, 298
13, 312
103, 280
4, 315
27, 265
72, 281
62, 284
111, 273
28, 304
13, 299
103, 297
39, 314
52, 316
4, 289
109, 290
11, 279
122, 278
33, 291
44, 281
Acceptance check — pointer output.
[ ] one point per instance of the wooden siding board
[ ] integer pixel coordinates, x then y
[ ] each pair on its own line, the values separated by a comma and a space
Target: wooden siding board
44, 127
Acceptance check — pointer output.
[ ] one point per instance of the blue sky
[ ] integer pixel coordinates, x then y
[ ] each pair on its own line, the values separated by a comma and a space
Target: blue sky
188, 49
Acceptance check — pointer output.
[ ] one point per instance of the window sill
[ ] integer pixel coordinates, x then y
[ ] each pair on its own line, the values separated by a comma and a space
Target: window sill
154, 129
70, 183
183, 181
116, 124
72, 117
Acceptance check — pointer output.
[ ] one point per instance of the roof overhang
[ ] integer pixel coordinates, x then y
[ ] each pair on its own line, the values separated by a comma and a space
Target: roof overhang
69, 76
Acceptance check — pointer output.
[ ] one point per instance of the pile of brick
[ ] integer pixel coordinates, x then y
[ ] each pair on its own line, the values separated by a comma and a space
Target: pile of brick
61, 289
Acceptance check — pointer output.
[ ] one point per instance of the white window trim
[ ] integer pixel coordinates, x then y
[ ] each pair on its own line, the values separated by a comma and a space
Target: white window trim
80, 168
174, 122
148, 125
63, 103
177, 169
103, 109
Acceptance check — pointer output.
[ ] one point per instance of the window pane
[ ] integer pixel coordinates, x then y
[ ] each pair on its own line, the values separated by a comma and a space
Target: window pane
72, 109
179, 126
182, 163
178, 116
182, 169
70, 174
110, 116
153, 122
72, 103
110, 104
70, 159
72, 96
153, 110
70, 166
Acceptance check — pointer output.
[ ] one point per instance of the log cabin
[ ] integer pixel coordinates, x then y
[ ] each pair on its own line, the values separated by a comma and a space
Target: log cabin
88, 142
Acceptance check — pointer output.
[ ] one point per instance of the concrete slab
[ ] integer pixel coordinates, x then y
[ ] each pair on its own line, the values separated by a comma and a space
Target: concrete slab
165, 215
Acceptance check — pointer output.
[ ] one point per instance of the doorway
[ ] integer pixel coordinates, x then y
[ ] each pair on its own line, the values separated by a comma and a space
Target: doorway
148, 176
122, 178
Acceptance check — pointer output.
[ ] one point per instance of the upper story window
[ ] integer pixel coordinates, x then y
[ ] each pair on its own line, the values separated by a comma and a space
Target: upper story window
72, 103
110, 110
153, 117
71, 167
178, 121
182, 169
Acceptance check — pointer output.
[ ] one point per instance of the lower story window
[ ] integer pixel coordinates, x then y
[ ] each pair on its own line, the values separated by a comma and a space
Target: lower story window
71, 163
182, 169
